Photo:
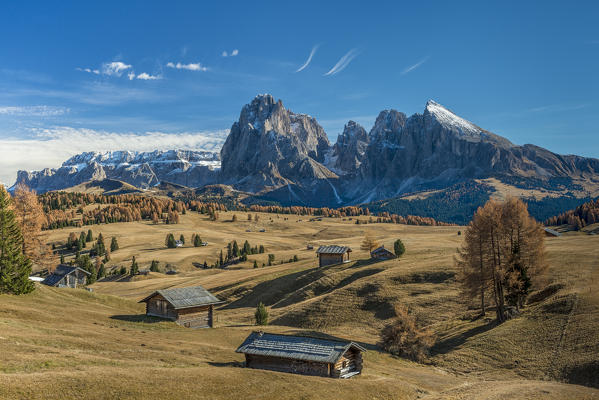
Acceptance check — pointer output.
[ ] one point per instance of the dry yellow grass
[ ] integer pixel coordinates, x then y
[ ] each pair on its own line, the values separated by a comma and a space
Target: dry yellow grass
67, 343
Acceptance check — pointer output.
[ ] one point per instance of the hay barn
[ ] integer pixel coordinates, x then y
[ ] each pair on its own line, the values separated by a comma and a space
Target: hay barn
191, 307
302, 355
328, 255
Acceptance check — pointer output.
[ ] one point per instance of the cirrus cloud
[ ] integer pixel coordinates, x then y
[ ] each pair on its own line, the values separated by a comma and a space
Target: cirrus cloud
189, 67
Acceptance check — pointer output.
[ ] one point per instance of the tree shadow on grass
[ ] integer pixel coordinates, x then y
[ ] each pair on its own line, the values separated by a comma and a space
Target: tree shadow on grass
453, 342
237, 364
143, 318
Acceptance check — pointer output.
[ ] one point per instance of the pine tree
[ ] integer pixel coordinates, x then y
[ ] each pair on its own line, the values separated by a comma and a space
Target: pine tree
90, 236
182, 239
295, 259
235, 249
271, 259
134, 269
62, 258
82, 238
114, 245
15, 267
197, 241
255, 264
261, 249
220, 259
261, 315
247, 249
399, 248
155, 266
170, 241
100, 246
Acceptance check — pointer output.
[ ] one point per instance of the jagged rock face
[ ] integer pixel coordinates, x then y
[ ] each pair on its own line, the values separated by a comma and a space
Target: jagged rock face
346, 155
270, 147
141, 169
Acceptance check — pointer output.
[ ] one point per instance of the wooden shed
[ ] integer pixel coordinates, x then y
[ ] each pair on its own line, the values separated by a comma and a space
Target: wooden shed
67, 276
551, 232
381, 253
191, 307
333, 254
302, 355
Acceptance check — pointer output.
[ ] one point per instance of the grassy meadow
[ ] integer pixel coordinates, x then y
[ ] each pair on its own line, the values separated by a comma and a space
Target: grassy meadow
70, 343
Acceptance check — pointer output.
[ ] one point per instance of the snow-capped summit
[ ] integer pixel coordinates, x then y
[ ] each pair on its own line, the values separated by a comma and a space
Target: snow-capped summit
449, 120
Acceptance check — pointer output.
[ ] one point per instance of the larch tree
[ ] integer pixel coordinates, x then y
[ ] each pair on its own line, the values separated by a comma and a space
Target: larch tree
15, 267
503, 253
31, 217
369, 244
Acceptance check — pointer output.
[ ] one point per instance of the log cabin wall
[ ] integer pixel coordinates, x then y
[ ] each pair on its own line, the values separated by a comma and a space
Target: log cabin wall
157, 306
329, 259
287, 365
196, 317
349, 362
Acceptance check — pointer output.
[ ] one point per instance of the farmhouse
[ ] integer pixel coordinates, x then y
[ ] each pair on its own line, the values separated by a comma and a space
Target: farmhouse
302, 355
328, 255
67, 276
381, 253
191, 307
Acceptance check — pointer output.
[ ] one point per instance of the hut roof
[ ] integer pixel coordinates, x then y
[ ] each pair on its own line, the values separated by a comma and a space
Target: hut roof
186, 297
60, 272
552, 232
332, 249
295, 347
382, 251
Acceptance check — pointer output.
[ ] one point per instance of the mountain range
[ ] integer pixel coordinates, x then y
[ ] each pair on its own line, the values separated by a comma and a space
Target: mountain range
276, 155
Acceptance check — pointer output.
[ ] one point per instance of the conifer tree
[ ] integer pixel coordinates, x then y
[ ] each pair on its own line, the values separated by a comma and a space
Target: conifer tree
235, 249
134, 269
261, 249
155, 266
182, 239
399, 248
90, 236
261, 315
82, 238
255, 264
170, 241
197, 241
247, 249
62, 258
15, 267
114, 245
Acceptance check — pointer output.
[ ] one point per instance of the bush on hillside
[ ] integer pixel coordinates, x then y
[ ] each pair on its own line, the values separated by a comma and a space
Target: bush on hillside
404, 338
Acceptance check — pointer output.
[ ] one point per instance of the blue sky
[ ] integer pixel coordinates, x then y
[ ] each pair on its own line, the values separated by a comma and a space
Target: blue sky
525, 71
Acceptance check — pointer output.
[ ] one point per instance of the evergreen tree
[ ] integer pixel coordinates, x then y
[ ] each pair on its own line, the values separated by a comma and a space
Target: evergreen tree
247, 249
101, 271
114, 245
261, 315
79, 245
235, 249
399, 248
134, 269
62, 258
197, 241
261, 249
15, 267
122, 270
229, 251
295, 259
100, 246
255, 264
155, 266
82, 238
271, 259
182, 239
90, 236
170, 241
220, 259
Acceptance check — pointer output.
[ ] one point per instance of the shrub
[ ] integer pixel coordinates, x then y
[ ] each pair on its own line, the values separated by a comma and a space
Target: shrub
261, 315
403, 338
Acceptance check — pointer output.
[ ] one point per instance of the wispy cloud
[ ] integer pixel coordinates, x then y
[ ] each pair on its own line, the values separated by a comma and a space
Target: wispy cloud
233, 53
343, 62
558, 108
144, 76
115, 68
413, 67
89, 70
34, 111
309, 60
51, 147
189, 67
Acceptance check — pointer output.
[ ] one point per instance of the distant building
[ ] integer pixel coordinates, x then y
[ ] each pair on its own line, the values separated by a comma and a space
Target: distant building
178, 243
67, 276
192, 307
381, 253
302, 355
551, 233
328, 255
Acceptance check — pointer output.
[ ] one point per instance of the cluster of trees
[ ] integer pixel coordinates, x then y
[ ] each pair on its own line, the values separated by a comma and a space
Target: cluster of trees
578, 218
237, 253
98, 249
502, 254
69, 209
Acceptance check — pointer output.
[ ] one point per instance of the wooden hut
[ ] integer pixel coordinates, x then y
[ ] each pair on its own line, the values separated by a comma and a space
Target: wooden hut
67, 276
302, 355
328, 255
191, 307
381, 253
